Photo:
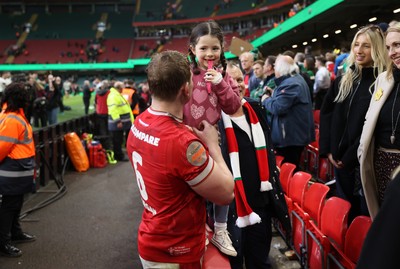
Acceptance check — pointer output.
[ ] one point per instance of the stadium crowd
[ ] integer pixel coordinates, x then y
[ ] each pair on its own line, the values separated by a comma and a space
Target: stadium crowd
265, 107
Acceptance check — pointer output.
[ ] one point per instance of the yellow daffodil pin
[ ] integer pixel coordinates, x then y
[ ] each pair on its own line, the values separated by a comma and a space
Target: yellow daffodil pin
378, 94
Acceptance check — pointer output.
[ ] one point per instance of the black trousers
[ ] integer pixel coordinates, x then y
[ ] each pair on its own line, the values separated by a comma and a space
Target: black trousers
40, 115
10, 210
291, 154
86, 103
345, 181
119, 140
253, 242
319, 98
101, 130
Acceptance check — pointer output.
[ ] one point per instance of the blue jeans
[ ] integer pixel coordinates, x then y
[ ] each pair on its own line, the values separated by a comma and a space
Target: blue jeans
221, 213
52, 115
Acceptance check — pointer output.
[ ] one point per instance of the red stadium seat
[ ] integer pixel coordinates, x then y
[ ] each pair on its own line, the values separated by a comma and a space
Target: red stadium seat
331, 234
298, 185
334, 220
317, 245
287, 170
325, 170
314, 199
285, 175
355, 237
316, 118
313, 154
354, 240
279, 160
320, 167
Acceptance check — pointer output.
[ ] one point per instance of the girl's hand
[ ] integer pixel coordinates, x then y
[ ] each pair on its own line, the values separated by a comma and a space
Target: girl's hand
213, 76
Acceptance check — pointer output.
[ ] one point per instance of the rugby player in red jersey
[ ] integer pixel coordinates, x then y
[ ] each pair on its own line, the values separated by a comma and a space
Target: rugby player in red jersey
176, 169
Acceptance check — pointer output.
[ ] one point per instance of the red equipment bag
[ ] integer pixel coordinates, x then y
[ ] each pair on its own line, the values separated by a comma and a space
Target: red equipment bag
97, 155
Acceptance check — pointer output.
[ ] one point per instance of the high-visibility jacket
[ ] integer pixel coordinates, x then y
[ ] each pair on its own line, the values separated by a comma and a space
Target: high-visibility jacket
119, 110
128, 94
17, 154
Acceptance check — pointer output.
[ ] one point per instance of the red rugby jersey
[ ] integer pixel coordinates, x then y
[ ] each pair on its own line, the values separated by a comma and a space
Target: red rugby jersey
168, 159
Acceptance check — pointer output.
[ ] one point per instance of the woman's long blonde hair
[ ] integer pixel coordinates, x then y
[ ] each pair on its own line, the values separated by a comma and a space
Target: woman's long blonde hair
353, 72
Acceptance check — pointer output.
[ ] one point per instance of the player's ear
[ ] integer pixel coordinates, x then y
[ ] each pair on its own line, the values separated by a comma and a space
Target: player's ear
185, 92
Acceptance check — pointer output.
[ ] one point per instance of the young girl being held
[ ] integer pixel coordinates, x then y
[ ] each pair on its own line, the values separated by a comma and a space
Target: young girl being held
213, 91
205, 46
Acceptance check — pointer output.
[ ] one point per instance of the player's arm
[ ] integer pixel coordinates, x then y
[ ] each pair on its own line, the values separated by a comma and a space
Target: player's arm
218, 186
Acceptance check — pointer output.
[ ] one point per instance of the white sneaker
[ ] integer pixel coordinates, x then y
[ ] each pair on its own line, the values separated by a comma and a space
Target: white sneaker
222, 241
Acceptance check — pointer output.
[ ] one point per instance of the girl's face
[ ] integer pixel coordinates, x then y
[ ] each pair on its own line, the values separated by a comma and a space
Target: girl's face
393, 47
362, 51
207, 48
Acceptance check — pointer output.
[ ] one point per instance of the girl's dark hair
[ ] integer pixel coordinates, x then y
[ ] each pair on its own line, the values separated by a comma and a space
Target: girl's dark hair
206, 28
15, 96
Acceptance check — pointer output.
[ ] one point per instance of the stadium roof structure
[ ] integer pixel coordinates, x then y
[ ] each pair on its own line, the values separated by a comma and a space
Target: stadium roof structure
325, 17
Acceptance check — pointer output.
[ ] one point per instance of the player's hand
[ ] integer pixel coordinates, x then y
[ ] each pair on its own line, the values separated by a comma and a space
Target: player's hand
207, 133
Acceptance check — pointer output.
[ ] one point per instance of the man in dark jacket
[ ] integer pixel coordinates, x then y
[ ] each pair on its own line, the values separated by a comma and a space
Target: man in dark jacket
290, 105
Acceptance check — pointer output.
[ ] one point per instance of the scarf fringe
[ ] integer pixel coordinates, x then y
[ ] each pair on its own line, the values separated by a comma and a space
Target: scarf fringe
248, 220
265, 186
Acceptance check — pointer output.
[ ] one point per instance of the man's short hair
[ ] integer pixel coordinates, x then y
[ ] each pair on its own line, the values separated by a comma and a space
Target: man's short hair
321, 59
166, 73
260, 62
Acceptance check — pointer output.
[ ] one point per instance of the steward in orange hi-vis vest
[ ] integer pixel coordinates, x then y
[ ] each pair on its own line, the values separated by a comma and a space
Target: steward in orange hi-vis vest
16, 143
17, 166
132, 96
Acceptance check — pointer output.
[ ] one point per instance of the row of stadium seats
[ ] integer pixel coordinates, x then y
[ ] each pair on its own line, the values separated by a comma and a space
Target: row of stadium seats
321, 237
67, 25
67, 51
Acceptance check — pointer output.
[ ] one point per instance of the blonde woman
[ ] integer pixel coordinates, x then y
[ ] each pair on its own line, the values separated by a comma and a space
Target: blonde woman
343, 112
379, 150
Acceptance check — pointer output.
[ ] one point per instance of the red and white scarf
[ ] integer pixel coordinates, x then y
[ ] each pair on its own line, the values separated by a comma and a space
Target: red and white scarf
246, 216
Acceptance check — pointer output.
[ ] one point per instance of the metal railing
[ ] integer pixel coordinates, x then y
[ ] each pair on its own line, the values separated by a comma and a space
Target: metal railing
51, 155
